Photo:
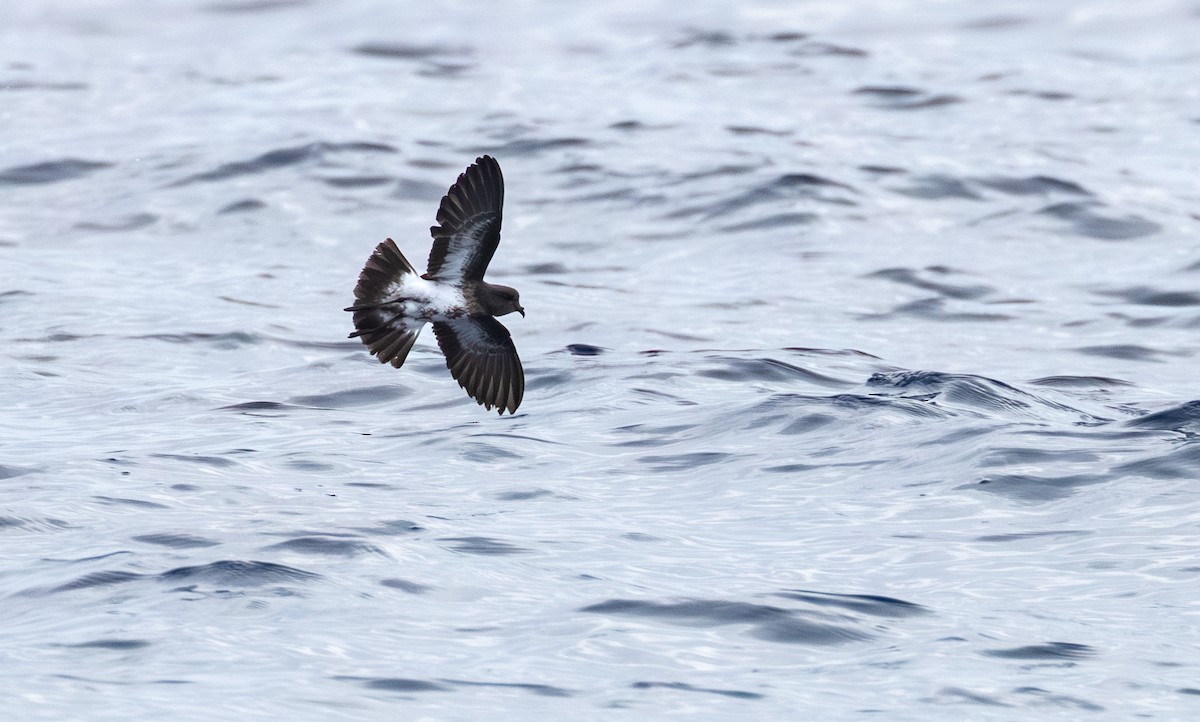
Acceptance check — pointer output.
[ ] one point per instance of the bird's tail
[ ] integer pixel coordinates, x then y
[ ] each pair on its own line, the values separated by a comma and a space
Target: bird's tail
382, 278
378, 319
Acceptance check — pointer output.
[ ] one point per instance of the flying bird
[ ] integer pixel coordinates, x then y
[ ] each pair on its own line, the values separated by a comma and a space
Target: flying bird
392, 303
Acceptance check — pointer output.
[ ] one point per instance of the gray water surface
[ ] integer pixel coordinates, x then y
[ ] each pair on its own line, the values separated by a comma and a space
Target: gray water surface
860, 352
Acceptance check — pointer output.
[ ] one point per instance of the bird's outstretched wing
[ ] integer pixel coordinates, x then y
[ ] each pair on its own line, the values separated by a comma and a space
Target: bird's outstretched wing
469, 224
481, 357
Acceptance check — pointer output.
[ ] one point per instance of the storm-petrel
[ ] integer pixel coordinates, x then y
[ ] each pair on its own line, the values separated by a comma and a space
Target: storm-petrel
392, 303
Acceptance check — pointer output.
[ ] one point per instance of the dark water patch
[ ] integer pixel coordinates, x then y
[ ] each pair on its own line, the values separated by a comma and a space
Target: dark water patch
417, 190
357, 181
786, 187
396, 684
1079, 382
882, 170
221, 341
678, 336
16, 85
719, 171
351, 397
916, 408
777, 220
816, 49
395, 527
131, 222
244, 302
176, 541
218, 462
1123, 352
1032, 185
996, 22
967, 390
767, 370
705, 39
249, 407
405, 586
11, 472
541, 690
1047, 699
583, 349
243, 206
755, 130
1032, 487
1188, 690
642, 428
773, 624
138, 503
808, 423
484, 546
349, 345
685, 687
637, 125
638, 537
443, 70
938, 187
1023, 455
116, 645
1085, 221
55, 338
16, 293
807, 180
532, 146
1049, 651
545, 269
894, 97
787, 36
235, 573
1022, 536
393, 50
685, 462
872, 604
326, 546
1185, 417
1146, 296
89, 581
912, 277
1183, 463
632, 195
484, 453
1149, 321
50, 171
957, 694
238, 7
653, 435
1052, 95
268, 161
281, 158
523, 495
544, 380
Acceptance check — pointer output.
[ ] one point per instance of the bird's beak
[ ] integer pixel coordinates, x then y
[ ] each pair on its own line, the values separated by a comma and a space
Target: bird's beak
521, 311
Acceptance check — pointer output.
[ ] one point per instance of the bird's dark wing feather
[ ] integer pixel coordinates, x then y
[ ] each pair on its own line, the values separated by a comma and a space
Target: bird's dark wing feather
469, 224
481, 357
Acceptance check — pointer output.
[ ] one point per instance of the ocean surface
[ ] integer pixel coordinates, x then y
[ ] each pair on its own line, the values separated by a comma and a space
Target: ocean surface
861, 357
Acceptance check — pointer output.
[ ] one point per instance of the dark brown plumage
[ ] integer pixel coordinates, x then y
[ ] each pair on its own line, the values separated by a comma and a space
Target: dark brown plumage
392, 303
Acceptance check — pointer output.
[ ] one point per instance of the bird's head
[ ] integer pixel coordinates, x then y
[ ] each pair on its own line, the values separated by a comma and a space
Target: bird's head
503, 300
